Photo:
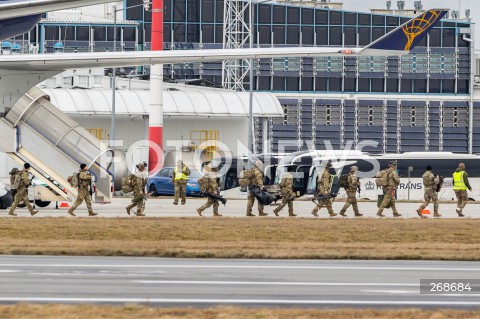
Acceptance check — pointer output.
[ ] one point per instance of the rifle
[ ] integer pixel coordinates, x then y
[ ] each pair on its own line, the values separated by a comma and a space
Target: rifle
319, 197
217, 198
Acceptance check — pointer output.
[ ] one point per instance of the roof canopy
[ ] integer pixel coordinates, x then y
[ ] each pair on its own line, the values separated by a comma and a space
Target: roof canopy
177, 103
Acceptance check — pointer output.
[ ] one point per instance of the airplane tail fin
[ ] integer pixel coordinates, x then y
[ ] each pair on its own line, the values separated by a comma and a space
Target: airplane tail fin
408, 35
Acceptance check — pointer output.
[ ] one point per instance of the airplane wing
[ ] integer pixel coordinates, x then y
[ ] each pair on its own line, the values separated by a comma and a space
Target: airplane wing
61, 61
20, 8
397, 42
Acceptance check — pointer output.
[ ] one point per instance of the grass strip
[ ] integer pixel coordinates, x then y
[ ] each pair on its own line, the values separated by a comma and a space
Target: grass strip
25, 311
411, 239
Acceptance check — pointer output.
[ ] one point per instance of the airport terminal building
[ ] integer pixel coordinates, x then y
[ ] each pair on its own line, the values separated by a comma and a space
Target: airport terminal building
421, 102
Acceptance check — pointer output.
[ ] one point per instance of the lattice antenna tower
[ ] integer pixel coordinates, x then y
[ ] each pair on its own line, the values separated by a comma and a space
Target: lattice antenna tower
236, 35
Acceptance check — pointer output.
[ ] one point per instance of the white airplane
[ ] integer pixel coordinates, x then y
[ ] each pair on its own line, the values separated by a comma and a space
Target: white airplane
19, 73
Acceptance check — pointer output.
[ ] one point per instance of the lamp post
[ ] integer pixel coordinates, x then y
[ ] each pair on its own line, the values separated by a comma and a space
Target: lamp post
146, 5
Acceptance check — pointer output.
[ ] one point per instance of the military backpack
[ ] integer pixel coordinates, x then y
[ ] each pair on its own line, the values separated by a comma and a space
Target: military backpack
203, 184
15, 178
343, 181
245, 178
127, 183
381, 179
74, 180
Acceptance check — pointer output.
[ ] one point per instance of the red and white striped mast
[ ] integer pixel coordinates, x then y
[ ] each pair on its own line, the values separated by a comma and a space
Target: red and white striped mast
155, 131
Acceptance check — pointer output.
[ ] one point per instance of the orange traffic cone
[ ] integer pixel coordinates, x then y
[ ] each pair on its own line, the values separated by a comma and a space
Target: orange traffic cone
426, 211
64, 205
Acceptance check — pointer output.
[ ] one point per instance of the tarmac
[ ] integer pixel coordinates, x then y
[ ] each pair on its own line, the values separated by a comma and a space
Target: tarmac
163, 207
247, 283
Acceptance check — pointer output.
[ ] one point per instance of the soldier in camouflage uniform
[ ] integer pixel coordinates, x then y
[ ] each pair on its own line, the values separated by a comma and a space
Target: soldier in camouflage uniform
353, 184
212, 189
139, 183
21, 194
84, 183
430, 182
389, 191
323, 183
257, 181
180, 178
287, 193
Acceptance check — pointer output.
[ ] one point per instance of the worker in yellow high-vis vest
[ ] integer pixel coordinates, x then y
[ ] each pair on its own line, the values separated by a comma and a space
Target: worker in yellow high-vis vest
180, 177
460, 186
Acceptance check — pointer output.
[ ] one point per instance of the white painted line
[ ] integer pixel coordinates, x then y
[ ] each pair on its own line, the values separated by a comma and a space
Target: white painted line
334, 267
416, 292
242, 301
271, 283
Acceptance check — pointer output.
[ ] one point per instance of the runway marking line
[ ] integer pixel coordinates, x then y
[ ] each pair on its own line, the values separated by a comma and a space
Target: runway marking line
242, 301
271, 283
244, 267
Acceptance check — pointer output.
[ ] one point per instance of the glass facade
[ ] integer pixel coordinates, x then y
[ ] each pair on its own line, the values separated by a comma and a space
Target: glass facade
394, 101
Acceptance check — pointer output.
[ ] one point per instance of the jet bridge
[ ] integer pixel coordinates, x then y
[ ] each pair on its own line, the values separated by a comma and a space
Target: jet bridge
35, 131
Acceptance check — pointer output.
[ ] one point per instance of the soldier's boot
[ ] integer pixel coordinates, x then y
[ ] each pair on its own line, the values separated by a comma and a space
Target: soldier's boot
262, 214
315, 214
128, 210
436, 214
333, 214
292, 214
92, 214
419, 211
175, 203
380, 214
250, 215
33, 212
276, 212
71, 213
12, 214
358, 215
199, 212
459, 212
342, 213
217, 215
140, 214
397, 215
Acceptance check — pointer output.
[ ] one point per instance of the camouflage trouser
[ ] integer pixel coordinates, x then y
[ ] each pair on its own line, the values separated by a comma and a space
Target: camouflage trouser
462, 198
209, 203
21, 196
286, 200
324, 202
251, 201
180, 191
388, 198
139, 203
82, 195
351, 200
430, 196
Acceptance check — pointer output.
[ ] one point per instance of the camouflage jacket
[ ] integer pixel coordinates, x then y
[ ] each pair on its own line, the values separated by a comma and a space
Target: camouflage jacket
85, 180
324, 182
257, 179
212, 183
353, 182
430, 181
392, 180
139, 183
287, 183
25, 180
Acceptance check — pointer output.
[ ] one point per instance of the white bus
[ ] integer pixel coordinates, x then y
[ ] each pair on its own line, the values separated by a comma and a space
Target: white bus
411, 166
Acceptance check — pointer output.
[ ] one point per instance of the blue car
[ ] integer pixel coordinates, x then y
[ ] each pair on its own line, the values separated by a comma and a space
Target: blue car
161, 183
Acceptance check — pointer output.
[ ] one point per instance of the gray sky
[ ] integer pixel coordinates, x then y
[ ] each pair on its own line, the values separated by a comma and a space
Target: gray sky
473, 5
